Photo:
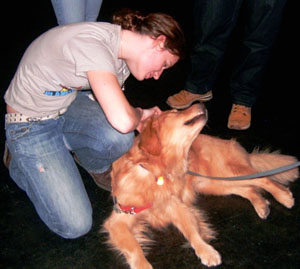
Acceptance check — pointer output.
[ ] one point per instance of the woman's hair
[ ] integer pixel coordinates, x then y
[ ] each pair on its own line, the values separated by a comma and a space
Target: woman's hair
154, 25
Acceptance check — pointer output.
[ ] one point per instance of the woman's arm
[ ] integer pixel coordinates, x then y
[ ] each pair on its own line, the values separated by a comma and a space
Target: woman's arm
120, 114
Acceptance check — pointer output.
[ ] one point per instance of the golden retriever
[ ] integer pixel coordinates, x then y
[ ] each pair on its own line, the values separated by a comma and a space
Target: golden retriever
150, 185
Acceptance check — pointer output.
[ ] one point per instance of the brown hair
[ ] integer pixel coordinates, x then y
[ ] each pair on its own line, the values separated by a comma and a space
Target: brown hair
154, 25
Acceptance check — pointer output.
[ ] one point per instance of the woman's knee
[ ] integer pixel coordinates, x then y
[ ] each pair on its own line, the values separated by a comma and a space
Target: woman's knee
71, 217
113, 143
71, 228
123, 142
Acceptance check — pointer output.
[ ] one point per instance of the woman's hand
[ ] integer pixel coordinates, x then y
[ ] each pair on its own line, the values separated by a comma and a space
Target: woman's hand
145, 114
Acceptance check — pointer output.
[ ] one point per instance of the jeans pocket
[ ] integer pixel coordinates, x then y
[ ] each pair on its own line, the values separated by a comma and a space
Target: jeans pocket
15, 131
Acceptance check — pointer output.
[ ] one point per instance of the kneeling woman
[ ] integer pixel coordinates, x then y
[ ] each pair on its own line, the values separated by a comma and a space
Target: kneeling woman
51, 116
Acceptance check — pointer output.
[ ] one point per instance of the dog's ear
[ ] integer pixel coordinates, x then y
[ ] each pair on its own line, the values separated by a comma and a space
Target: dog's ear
149, 137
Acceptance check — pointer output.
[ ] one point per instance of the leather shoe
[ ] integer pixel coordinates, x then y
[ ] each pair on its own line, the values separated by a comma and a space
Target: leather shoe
6, 156
102, 180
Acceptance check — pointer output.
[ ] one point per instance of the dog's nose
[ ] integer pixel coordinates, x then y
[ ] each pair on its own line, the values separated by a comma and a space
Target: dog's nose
201, 107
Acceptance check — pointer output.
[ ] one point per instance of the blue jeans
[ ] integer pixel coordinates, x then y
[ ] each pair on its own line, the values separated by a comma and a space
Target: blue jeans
43, 166
69, 11
214, 22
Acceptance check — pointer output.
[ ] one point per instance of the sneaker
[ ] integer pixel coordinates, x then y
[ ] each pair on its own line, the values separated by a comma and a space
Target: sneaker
6, 156
239, 118
184, 99
102, 180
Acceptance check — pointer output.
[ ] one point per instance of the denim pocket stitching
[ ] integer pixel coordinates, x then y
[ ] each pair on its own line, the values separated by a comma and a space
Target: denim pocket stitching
16, 132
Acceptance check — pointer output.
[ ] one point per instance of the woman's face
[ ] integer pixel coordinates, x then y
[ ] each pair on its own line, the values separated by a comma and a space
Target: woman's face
153, 61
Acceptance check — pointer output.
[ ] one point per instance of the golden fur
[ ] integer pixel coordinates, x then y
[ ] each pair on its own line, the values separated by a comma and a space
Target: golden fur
168, 146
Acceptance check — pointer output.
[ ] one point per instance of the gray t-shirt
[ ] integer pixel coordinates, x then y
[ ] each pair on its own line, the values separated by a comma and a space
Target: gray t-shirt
55, 66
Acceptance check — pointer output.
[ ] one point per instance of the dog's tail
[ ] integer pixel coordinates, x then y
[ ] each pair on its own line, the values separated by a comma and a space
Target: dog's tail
262, 161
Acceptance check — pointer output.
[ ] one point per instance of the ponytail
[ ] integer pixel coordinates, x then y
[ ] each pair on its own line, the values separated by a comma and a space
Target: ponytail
154, 25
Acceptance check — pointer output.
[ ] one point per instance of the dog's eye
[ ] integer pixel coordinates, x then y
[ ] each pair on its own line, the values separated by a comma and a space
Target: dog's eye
143, 166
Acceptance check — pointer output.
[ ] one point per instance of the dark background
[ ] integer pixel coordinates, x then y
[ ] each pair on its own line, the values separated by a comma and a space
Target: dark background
244, 240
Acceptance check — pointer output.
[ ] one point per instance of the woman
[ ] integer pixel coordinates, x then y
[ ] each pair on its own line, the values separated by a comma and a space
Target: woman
50, 115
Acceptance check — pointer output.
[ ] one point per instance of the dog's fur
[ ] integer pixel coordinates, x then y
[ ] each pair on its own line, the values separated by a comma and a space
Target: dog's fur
168, 146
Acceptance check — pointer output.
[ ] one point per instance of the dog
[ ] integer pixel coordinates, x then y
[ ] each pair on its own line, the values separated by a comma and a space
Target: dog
150, 184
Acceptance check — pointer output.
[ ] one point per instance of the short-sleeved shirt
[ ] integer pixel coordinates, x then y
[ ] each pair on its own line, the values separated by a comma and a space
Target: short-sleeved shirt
54, 66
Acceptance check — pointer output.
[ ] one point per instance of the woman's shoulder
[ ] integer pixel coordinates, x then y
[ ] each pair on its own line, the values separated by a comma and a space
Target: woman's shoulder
93, 28
82, 29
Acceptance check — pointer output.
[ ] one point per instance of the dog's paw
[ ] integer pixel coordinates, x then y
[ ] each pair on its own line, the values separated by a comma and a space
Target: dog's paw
286, 198
263, 209
138, 262
289, 201
209, 256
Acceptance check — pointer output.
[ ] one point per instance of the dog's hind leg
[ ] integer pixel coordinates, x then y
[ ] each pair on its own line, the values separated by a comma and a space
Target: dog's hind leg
282, 194
260, 204
120, 228
242, 187
225, 188
185, 219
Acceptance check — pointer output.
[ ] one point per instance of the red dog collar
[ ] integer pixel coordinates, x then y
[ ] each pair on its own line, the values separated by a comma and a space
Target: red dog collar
133, 210
129, 209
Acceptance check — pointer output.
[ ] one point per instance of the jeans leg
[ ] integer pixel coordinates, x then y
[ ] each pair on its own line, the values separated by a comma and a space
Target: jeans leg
263, 19
213, 22
90, 136
92, 9
43, 167
69, 11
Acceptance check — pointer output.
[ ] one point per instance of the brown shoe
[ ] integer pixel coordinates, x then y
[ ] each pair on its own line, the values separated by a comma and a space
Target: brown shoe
239, 118
6, 156
184, 99
103, 180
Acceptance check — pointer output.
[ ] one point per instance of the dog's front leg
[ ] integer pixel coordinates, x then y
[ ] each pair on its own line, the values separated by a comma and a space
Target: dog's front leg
120, 227
187, 219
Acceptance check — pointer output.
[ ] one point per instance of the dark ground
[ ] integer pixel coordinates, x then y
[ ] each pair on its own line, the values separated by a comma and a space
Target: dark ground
244, 240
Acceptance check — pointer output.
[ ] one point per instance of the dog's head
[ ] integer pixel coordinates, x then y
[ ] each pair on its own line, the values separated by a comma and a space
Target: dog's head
176, 129
165, 140
160, 151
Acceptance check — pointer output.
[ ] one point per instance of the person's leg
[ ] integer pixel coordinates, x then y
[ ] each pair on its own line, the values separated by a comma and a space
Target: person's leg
262, 25
92, 9
43, 167
89, 135
213, 23
69, 11
263, 19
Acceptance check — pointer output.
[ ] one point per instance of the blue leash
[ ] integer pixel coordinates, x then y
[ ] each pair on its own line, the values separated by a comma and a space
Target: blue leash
252, 176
